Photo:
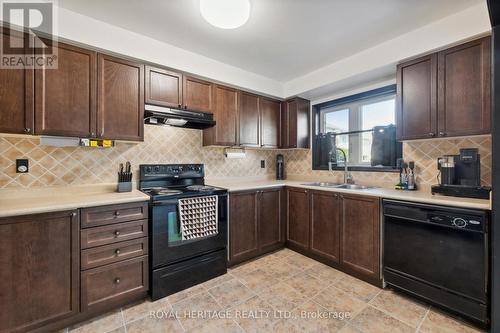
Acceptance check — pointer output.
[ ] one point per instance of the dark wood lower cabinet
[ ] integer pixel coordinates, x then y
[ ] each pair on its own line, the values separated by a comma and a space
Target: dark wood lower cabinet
325, 225
39, 270
340, 230
256, 224
361, 235
298, 217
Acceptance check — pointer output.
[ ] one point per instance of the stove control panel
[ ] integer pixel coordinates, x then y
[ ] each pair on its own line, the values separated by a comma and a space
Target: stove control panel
171, 170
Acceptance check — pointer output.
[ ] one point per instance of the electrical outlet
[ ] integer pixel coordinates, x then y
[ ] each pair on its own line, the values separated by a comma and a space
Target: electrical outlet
263, 164
22, 166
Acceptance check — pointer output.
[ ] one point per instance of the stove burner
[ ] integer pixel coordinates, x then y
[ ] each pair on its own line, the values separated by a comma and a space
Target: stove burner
200, 188
163, 191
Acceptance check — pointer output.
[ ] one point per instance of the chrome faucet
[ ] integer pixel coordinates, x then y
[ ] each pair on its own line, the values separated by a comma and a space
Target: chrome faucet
348, 179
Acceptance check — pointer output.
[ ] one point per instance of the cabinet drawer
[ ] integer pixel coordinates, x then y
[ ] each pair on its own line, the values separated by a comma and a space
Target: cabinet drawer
114, 283
109, 254
104, 215
114, 233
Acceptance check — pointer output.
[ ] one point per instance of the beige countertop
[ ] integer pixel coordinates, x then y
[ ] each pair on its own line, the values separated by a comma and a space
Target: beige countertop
233, 185
15, 202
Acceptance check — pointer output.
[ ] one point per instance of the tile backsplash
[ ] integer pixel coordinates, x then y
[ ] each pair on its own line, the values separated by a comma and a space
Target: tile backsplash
51, 166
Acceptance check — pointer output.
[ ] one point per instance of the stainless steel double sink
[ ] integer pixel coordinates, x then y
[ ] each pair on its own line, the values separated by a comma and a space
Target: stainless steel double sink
337, 185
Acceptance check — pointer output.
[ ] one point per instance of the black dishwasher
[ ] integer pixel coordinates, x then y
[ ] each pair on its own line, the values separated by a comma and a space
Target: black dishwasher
439, 254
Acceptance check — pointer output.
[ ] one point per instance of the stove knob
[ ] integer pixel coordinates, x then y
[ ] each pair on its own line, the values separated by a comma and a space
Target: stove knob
459, 222
157, 168
148, 169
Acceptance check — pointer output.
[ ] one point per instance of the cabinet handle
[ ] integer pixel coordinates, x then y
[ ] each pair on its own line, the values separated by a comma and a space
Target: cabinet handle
117, 233
27, 130
180, 106
442, 134
117, 213
73, 214
117, 251
117, 280
431, 134
92, 134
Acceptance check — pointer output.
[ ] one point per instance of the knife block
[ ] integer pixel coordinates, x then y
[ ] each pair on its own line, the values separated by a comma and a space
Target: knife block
125, 187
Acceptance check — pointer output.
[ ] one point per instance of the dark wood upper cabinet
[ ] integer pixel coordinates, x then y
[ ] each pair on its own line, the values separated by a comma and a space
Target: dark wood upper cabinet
249, 120
295, 123
445, 93
361, 235
163, 87
417, 98
197, 94
298, 218
40, 259
270, 117
325, 225
120, 108
65, 97
16, 92
243, 227
225, 132
464, 76
271, 231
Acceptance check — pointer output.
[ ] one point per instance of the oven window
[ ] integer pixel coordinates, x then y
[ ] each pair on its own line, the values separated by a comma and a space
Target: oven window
174, 230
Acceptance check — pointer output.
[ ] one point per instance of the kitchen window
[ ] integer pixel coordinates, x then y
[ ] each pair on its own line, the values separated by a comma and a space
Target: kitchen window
363, 126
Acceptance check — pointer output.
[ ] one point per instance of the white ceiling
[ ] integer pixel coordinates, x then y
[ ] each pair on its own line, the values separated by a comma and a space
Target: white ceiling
283, 39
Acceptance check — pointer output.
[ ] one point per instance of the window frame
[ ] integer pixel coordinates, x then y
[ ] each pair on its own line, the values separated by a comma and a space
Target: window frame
318, 111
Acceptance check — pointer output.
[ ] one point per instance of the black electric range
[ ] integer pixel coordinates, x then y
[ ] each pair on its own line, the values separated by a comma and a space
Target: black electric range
187, 227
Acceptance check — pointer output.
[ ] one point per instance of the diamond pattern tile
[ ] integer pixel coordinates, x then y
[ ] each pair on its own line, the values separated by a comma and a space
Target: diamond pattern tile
82, 165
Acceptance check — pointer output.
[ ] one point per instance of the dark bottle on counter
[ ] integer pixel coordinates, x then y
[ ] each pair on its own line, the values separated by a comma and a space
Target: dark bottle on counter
280, 167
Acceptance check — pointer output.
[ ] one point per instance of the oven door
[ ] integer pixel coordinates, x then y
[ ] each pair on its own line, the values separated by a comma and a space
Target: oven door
167, 245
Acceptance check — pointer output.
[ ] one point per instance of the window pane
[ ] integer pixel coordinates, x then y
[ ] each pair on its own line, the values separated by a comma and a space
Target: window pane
337, 121
381, 113
378, 114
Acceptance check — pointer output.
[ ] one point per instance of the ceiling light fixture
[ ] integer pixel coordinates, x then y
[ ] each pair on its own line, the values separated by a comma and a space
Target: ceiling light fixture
225, 14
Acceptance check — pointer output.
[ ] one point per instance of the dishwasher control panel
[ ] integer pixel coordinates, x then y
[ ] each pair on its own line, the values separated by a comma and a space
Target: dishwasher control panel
457, 221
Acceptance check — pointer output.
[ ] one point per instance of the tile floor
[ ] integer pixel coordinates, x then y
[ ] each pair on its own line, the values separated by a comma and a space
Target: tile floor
281, 292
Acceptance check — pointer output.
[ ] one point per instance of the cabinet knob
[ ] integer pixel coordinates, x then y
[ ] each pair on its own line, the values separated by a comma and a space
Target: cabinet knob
117, 213
27, 130
92, 134
180, 106
431, 134
117, 280
117, 251
73, 214
442, 134
117, 233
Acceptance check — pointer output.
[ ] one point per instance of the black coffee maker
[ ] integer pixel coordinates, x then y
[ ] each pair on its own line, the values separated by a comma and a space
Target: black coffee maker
280, 167
460, 175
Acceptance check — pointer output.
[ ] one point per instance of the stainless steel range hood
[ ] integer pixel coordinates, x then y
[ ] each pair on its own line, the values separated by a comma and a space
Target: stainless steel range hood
158, 115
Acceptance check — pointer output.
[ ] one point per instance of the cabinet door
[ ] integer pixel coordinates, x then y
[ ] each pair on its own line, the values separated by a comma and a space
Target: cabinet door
224, 132
243, 227
16, 92
464, 89
325, 225
197, 94
163, 87
416, 115
270, 123
270, 221
295, 120
40, 260
120, 112
65, 102
298, 217
361, 235
249, 115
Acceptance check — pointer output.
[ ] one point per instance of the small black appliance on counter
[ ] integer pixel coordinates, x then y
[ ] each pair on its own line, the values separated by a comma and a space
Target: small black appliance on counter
460, 175
280, 167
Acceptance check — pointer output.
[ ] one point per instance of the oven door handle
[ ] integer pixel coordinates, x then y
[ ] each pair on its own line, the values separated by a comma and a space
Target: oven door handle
165, 203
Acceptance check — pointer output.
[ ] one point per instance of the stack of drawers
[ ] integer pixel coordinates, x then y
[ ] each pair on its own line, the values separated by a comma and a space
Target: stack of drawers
114, 255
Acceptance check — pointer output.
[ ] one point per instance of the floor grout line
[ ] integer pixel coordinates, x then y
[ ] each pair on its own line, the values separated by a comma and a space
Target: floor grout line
423, 319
